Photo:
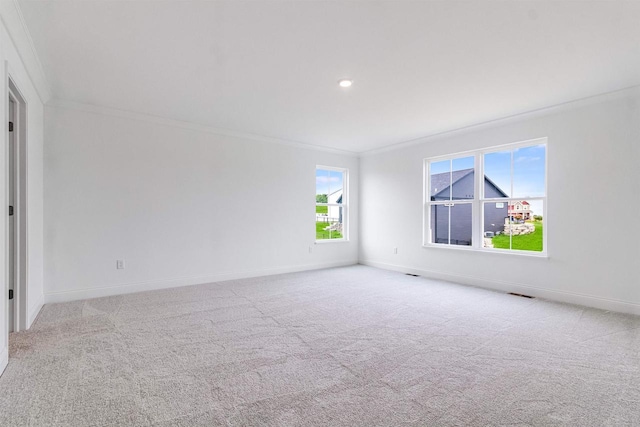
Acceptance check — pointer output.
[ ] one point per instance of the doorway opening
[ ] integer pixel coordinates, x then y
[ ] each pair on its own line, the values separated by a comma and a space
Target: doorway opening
16, 210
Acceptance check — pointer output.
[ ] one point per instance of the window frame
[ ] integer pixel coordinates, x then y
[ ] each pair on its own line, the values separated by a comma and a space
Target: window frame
344, 205
479, 200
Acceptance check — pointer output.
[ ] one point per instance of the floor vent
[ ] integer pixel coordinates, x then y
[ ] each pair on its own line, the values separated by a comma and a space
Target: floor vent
409, 274
520, 295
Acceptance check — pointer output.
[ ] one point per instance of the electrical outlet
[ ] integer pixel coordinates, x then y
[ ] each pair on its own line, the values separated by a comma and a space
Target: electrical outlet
310, 249
395, 251
120, 264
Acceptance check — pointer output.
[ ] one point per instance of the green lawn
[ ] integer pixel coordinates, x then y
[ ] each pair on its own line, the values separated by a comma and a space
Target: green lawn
322, 234
322, 209
527, 242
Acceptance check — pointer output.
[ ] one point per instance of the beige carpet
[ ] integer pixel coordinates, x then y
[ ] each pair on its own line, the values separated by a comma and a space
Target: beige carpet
353, 346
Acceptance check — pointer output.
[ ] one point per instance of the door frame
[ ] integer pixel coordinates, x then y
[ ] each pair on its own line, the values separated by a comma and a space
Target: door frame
20, 266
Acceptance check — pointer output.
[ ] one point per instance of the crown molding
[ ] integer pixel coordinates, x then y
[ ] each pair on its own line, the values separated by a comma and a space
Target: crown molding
16, 28
603, 97
126, 114
581, 102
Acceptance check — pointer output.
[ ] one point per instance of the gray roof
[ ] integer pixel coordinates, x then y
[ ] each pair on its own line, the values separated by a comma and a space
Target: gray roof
441, 181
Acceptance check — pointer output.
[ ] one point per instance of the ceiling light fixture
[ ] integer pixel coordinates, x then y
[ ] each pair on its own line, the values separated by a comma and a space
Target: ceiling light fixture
345, 83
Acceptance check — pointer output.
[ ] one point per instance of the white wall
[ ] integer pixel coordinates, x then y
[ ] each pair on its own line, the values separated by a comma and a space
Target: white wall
179, 205
593, 161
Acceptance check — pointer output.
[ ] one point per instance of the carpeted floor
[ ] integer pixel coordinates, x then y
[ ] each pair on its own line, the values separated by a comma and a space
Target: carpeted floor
353, 346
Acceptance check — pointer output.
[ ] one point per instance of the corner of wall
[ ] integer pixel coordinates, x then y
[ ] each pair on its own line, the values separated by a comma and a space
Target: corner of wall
34, 310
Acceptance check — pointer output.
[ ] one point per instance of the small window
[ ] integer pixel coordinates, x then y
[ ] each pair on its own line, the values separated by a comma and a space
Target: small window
331, 204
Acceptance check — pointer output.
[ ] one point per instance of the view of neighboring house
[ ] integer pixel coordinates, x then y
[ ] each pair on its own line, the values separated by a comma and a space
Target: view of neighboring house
335, 212
461, 183
520, 210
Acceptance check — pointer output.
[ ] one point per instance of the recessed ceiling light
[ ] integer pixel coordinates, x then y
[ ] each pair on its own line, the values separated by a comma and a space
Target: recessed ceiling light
345, 83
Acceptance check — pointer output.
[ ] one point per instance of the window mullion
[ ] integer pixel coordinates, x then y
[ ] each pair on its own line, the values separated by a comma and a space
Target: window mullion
478, 216
510, 202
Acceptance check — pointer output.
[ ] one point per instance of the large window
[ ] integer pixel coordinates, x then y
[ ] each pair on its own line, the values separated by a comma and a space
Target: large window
493, 199
331, 203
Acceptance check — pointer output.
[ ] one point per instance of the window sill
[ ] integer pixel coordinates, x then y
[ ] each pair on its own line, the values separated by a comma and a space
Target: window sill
322, 242
531, 254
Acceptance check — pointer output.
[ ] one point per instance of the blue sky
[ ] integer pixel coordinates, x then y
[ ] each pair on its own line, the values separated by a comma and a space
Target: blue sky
328, 181
528, 171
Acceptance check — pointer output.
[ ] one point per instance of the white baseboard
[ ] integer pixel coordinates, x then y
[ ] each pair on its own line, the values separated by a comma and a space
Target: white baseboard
4, 359
504, 286
35, 310
129, 288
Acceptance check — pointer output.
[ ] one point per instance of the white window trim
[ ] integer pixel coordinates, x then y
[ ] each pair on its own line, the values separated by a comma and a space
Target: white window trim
479, 200
344, 205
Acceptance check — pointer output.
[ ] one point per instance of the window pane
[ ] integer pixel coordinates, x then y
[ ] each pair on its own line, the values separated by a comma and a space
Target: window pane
330, 224
461, 233
322, 185
529, 171
495, 220
452, 179
462, 177
335, 187
522, 229
497, 173
440, 179
439, 224
451, 224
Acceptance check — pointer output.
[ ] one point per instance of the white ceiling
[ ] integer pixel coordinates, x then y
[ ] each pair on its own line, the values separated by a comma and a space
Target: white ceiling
271, 68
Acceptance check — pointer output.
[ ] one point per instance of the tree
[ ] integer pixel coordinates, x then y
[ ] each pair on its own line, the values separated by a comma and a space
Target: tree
321, 198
